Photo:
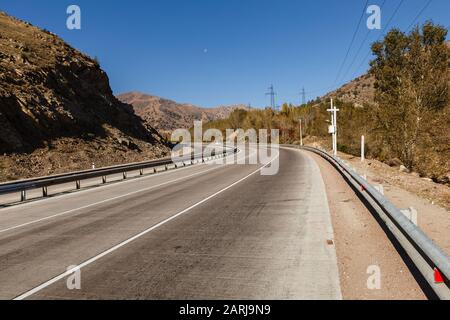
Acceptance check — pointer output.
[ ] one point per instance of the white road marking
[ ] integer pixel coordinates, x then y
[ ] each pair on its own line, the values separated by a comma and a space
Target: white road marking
111, 185
107, 200
104, 201
124, 243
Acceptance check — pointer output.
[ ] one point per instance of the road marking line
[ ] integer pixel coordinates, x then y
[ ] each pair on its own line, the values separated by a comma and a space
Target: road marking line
104, 201
107, 200
114, 183
124, 243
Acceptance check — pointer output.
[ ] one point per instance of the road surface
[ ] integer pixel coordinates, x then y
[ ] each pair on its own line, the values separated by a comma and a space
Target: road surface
202, 232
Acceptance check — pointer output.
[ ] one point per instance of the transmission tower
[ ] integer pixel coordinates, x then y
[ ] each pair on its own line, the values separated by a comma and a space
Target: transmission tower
303, 94
272, 95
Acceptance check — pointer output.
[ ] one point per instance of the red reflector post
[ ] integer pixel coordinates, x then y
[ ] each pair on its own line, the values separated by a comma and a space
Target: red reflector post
438, 277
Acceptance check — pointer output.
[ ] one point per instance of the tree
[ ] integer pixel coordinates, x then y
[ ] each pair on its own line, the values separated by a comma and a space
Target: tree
412, 88
236, 118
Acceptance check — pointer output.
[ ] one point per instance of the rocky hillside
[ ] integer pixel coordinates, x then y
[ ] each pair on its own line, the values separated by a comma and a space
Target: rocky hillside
167, 115
57, 110
359, 91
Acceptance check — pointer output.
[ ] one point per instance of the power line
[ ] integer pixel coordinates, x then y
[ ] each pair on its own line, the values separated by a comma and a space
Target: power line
419, 14
385, 28
318, 90
361, 46
351, 43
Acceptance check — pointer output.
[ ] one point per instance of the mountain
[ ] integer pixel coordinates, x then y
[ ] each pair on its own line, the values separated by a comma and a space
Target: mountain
58, 111
167, 115
359, 91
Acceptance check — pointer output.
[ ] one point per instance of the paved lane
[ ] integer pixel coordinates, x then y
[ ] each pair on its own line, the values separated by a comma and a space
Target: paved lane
264, 237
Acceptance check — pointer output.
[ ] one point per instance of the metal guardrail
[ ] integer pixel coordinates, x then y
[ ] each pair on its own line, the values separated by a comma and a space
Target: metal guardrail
22, 186
423, 252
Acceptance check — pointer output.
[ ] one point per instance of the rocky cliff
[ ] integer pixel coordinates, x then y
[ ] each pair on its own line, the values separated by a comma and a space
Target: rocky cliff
57, 110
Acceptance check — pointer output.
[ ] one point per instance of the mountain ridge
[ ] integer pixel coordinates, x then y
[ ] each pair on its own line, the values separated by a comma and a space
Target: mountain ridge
167, 115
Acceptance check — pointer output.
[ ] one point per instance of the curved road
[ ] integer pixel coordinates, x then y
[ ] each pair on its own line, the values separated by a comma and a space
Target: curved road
208, 231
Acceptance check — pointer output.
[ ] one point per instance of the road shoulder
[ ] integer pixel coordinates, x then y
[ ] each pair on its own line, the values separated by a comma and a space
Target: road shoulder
362, 245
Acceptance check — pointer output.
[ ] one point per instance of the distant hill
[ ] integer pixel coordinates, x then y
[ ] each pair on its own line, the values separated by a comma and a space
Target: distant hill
58, 112
359, 91
166, 115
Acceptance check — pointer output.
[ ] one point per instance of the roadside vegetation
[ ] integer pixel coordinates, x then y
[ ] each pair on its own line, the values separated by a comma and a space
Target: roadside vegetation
408, 121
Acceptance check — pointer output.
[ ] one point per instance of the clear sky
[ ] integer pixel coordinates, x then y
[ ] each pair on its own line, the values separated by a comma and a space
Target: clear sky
217, 52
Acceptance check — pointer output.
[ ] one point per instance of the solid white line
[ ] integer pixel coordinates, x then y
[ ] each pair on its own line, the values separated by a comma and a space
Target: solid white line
111, 199
114, 183
101, 255
104, 201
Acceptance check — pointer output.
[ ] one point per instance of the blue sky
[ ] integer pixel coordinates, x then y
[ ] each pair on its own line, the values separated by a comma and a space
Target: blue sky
219, 52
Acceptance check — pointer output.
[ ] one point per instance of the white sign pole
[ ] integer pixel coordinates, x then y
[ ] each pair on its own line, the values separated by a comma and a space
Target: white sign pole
301, 133
334, 130
363, 153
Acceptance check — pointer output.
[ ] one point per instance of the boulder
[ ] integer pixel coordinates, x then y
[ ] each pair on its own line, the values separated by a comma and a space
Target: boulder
395, 162
403, 169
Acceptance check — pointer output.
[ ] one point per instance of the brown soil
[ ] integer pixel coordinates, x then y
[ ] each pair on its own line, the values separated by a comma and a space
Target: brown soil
360, 243
68, 155
434, 193
407, 190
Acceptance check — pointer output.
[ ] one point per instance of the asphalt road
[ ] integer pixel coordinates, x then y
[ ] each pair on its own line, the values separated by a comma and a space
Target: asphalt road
202, 232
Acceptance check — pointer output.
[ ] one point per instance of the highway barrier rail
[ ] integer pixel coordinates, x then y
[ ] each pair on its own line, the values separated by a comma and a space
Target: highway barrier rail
429, 259
22, 186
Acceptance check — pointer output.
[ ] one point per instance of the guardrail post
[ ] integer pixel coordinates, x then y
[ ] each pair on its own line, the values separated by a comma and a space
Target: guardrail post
141, 172
78, 184
167, 167
124, 176
44, 192
380, 189
104, 179
411, 214
23, 195
154, 170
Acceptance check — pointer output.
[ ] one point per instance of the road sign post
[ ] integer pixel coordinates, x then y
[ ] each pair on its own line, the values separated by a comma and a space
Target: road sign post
333, 128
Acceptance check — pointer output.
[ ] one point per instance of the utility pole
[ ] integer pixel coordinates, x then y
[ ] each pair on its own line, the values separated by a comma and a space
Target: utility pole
333, 128
301, 132
272, 95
